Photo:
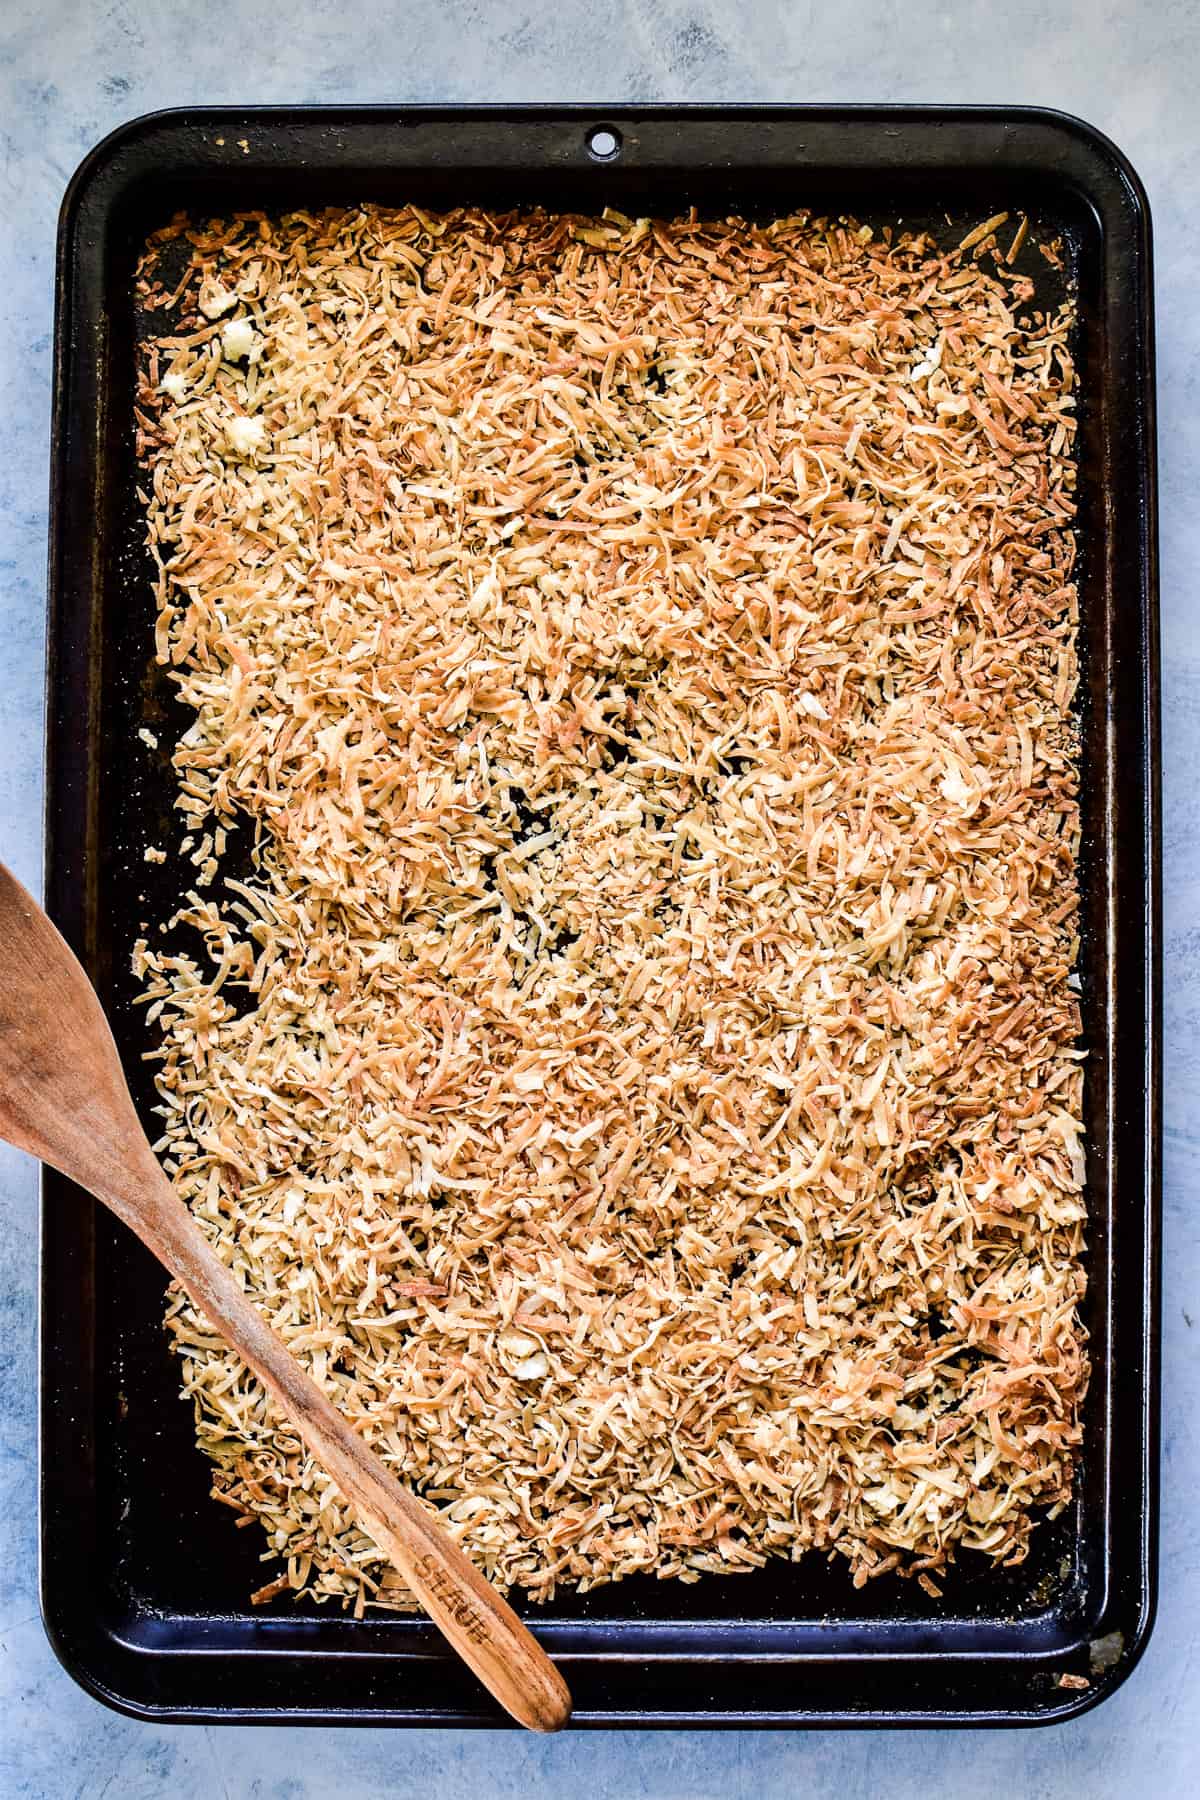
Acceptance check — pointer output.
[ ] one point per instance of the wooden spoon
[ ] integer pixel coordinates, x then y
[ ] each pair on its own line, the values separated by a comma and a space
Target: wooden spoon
63, 1097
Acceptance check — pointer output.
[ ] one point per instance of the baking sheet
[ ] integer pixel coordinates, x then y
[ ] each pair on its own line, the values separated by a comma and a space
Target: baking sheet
145, 1579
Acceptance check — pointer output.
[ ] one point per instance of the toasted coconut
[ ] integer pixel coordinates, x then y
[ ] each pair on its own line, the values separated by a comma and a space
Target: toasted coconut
639, 1079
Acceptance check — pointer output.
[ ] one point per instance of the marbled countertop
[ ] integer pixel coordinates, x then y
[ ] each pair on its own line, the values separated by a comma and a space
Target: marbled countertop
70, 70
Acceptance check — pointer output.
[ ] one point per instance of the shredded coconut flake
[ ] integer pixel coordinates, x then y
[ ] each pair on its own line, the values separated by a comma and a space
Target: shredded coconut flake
215, 300
245, 436
240, 342
639, 1076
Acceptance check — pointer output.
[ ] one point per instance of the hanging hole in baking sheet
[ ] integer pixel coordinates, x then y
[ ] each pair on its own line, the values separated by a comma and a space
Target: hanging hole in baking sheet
604, 143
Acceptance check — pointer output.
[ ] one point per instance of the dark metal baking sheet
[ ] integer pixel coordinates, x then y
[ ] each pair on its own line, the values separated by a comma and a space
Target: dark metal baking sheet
144, 1579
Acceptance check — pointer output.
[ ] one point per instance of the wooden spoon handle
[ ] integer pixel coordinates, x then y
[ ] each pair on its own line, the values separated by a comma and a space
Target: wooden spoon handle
479, 1624
63, 1097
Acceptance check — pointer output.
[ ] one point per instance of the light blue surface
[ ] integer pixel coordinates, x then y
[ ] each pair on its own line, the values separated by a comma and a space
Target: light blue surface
70, 70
